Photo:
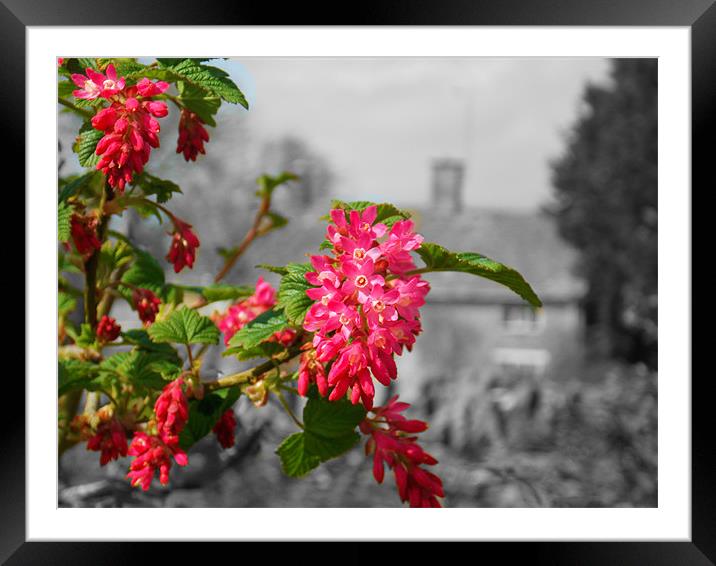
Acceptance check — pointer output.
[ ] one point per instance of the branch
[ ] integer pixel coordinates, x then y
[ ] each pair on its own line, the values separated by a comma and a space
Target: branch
249, 374
250, 236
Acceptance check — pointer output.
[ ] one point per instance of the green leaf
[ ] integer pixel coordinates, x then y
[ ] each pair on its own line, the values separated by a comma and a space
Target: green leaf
329, 432
199, 101
145, 272
204, 414
65, 303
125, 67
222, 292
437, 258
113, 255
259, 329
267, 183
185, 326
295, 460
151, 185
87, 337
292, 293
331, 419
263, 350
140, 368
211, 79
86, 144
76, 374
387, 213
64, 215
72, 187
273, 268
276, 221
65, 88
141, 341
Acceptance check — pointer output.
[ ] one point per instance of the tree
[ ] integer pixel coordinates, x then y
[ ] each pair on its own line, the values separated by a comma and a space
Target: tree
606, 205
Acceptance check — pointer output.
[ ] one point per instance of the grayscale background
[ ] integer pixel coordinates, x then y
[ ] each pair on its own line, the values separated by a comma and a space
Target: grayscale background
547, 165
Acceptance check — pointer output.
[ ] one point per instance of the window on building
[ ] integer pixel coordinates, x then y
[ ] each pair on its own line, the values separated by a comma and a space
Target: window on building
521, 319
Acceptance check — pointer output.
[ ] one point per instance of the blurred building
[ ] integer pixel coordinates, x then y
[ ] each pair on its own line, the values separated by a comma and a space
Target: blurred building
478, 368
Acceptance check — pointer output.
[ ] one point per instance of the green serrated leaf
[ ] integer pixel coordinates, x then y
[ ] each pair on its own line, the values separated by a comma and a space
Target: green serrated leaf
329, 431
292, 292
331, 419
272, 268
72, 187
223, 292
204, 414
64, 215
259, 329
139, 367
151, 185
75, 374
213, 80
145, 272
185, 326
295, 460
65, 303
200, 102
437, 258
268, 183
263, 350
87, 338
141, 341
86, 144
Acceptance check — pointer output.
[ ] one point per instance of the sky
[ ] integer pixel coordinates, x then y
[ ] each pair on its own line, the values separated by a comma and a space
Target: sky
379, 122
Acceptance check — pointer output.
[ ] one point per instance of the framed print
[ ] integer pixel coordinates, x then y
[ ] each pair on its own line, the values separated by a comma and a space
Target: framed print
313, 276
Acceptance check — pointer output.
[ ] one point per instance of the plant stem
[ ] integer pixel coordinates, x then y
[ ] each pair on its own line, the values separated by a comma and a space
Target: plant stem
288, 410
249, 374
248, 238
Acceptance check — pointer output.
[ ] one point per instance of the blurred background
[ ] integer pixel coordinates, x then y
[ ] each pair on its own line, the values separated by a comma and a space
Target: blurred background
548, 165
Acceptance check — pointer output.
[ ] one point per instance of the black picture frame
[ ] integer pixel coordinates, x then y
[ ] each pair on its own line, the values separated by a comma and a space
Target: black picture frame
698, 15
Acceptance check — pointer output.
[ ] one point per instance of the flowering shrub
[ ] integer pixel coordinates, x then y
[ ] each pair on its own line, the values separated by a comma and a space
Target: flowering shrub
333, 326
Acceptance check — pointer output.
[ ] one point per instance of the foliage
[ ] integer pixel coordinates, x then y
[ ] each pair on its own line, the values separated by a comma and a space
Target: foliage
156, 391
606, 205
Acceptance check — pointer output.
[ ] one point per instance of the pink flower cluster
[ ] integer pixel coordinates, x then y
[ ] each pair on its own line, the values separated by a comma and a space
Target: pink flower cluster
129, 124
110, 441
146, 304
367, 304
154, 452
192, 135
239, 314
182, 252
107, 329
390, 444
83, 230
224, 429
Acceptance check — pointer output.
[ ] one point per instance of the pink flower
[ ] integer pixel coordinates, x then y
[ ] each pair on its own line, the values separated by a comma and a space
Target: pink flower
84, 234
96, 84
366, 307
171, 412
311, 371
239, 314
390, 444
192, 135
107, 329
146, 304
110, 440
131, 132
152, 454
182, 252
224, 429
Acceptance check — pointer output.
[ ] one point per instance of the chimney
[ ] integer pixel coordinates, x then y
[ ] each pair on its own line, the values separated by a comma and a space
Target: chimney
447, 185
